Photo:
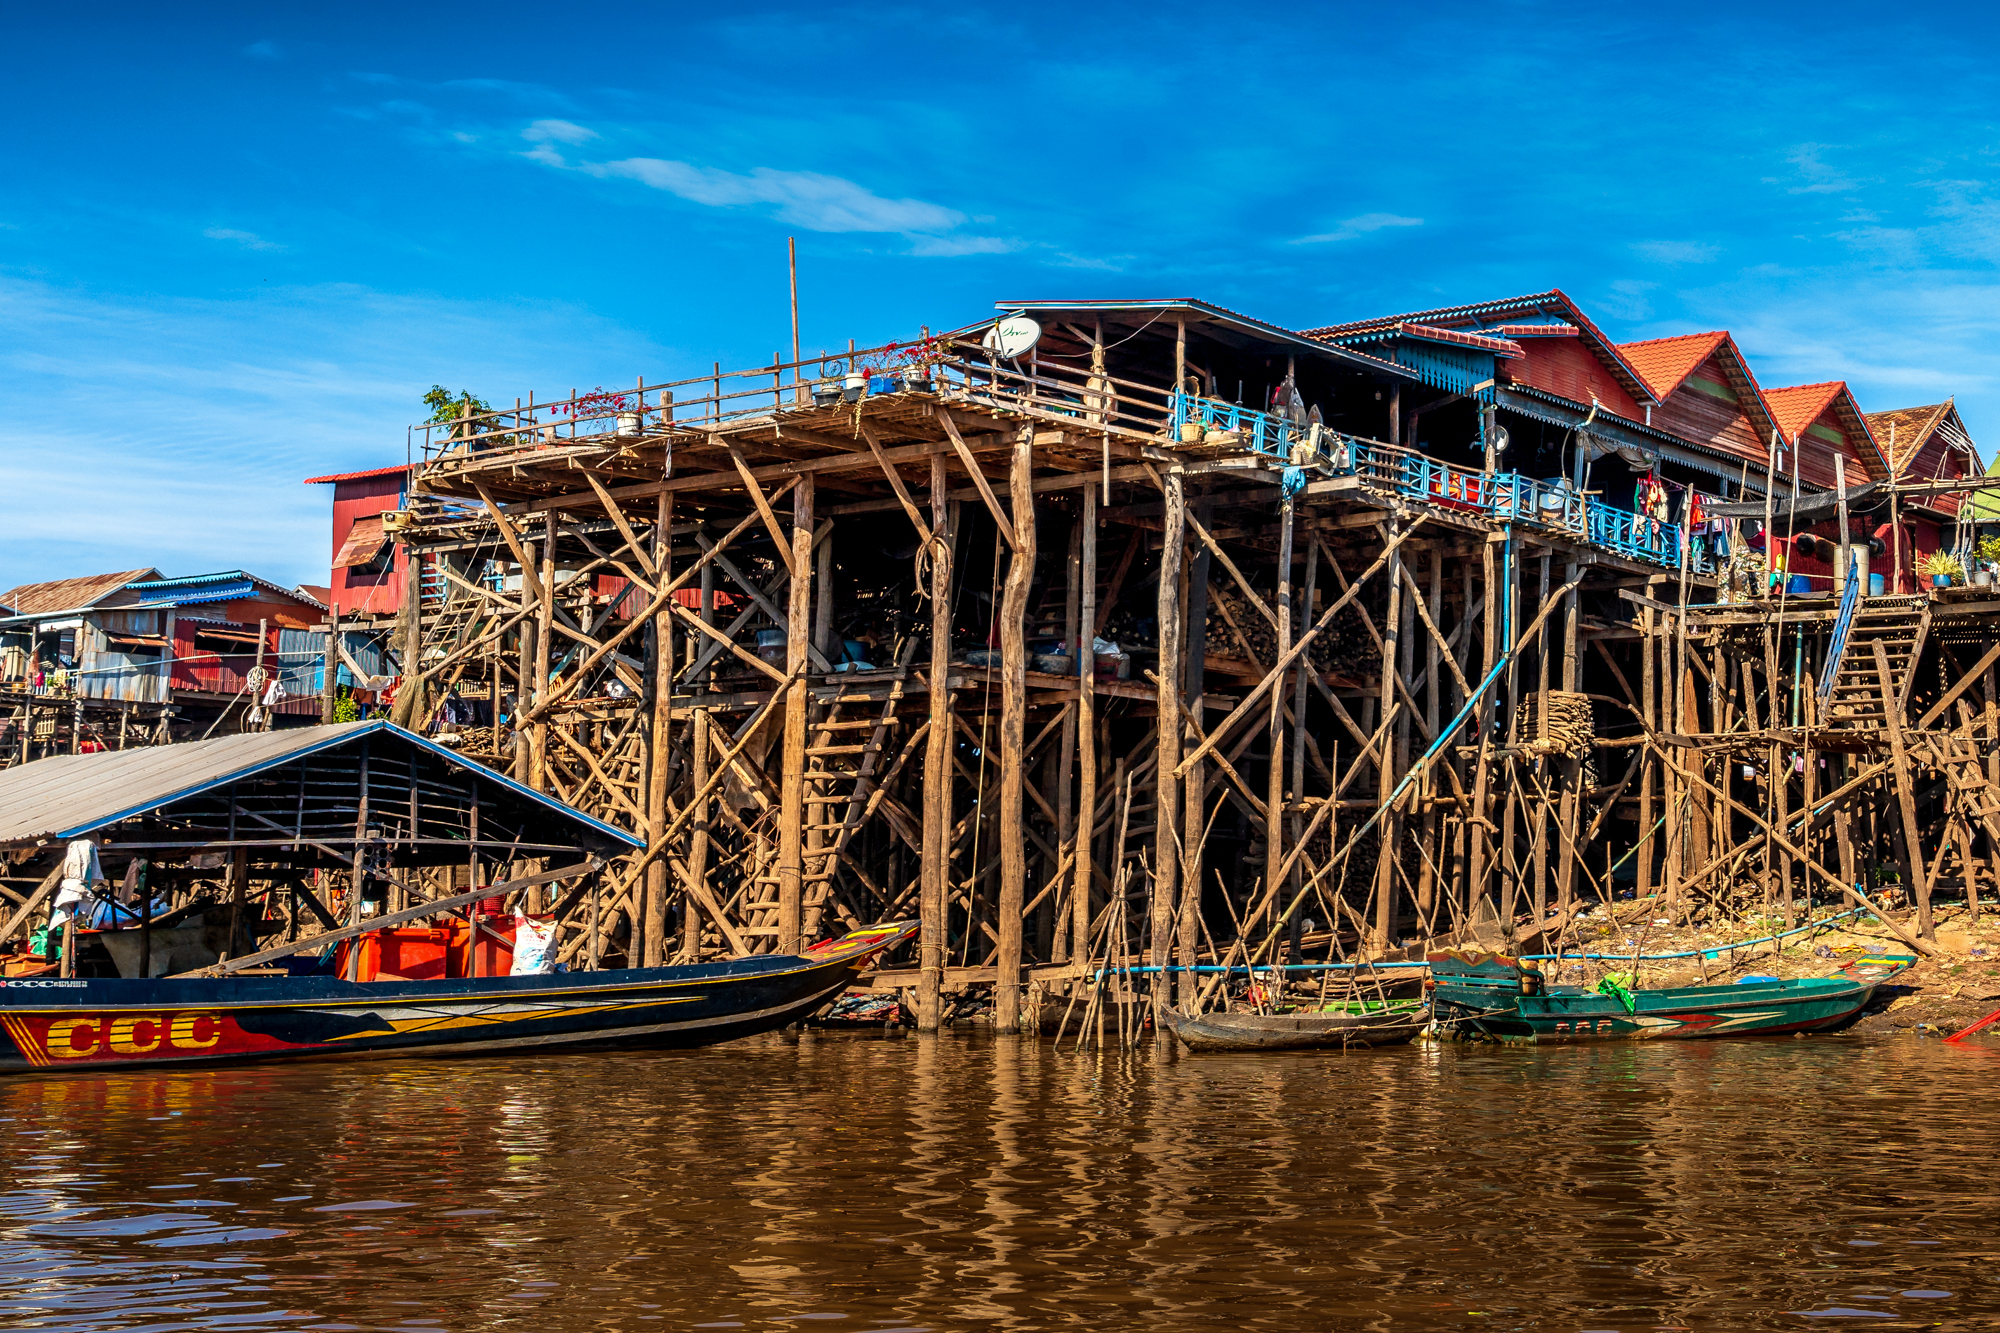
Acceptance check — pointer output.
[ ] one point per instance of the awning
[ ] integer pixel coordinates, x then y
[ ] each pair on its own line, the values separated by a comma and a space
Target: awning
364, 543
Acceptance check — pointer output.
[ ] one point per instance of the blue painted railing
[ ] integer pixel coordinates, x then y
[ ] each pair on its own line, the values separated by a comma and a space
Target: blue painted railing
1506, 497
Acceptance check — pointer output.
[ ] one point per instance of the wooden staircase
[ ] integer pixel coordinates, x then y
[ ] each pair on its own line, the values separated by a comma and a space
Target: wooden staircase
1857, 701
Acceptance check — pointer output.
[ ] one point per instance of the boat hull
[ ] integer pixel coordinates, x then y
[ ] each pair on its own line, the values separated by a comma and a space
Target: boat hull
49, 1024
1660, 1016
1293, 1032
1494, 997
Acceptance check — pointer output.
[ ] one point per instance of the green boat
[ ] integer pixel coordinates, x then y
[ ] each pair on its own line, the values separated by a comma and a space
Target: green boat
1492, 996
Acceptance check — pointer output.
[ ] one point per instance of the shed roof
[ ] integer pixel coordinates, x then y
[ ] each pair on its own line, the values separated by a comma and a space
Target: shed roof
227, 586
41, 599
67, 796
1665, 362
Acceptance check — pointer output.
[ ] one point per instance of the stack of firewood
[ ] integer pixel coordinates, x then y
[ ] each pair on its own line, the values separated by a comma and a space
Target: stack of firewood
1557, 722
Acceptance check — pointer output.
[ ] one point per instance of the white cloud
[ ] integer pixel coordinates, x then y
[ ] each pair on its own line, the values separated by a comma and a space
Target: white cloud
249, 240
557, 131
1360, 226
1813, 174
808, 199
264, 50
1676, 252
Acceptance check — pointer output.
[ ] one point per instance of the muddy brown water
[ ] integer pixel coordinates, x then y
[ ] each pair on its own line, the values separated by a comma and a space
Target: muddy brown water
857, 1182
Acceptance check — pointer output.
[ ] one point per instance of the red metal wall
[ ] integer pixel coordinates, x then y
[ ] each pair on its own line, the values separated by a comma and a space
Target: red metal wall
355, 592
1565, 366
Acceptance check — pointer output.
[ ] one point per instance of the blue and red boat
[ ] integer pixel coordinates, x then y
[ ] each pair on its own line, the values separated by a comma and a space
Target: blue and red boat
104, 1022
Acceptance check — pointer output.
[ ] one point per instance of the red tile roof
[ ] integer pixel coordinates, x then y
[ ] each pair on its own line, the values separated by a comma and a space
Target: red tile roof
41, 599
356, 476
1664, 362
1797, 406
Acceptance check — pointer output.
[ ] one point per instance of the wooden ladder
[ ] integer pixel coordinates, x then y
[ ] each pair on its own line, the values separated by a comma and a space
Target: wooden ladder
1856, 701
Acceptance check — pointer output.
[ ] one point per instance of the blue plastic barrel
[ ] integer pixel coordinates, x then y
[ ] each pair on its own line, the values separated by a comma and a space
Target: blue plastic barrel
1877, 585
1801, 585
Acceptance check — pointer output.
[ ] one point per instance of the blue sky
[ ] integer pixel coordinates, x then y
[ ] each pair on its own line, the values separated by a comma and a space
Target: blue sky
237, 242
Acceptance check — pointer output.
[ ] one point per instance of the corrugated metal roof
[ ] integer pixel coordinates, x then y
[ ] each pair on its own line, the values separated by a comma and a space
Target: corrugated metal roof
67, 796
357, 476
1221, 315
224, 586
41, 599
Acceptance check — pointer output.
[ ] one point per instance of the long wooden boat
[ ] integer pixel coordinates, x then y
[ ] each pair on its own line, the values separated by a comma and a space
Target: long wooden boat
1500, 998
1389, 1026
98, 1023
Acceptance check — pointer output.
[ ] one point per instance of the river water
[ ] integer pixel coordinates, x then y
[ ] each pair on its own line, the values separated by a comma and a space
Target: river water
859, 1182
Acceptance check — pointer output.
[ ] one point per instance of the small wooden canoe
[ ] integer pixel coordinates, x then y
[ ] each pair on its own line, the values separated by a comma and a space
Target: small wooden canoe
1389, 1026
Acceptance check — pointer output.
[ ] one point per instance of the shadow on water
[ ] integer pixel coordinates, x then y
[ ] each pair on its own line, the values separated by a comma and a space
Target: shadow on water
850, 1181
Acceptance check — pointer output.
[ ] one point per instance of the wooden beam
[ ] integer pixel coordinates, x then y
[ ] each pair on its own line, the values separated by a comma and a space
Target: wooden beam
779, 542
978, 478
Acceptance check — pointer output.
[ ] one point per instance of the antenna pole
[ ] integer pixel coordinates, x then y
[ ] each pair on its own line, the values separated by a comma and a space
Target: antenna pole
792, 253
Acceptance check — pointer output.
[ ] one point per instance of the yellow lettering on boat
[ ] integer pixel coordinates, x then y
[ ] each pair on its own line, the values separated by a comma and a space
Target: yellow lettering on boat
136, 1036
195, 1032
73, 1038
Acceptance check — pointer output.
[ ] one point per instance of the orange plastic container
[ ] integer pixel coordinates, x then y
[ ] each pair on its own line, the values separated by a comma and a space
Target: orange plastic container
492, 946
405, 953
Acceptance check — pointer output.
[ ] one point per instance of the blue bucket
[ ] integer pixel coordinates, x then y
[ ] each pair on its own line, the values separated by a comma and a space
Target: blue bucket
1801, 585
1877, 585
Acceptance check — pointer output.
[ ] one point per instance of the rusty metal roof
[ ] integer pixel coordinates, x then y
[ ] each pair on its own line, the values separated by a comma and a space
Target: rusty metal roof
42, 599
67, 796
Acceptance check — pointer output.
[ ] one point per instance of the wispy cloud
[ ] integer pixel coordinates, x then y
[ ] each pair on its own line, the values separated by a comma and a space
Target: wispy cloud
264, 50
342, 366
1360, 226
1676, 252
809, 199
1812, 173
249, 240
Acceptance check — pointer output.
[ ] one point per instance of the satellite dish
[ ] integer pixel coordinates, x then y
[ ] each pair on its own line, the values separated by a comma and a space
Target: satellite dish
1014, 336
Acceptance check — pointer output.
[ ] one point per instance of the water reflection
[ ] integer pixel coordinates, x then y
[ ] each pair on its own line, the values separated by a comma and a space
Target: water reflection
868, 1183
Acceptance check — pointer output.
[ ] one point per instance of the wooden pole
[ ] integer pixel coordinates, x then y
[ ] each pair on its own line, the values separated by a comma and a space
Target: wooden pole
329, 668
934, 873
1387, 767
660, 692
1085, 862
704, 730
1274, 732
545, 616
1013, 723
1167, 741
792, 785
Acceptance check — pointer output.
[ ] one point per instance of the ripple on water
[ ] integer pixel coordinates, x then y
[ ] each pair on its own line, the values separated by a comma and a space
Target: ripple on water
906, 1186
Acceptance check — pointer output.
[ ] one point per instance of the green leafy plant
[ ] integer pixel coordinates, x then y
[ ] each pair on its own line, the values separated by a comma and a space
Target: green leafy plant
447, 407
1935, 563
1988, 551
345, 709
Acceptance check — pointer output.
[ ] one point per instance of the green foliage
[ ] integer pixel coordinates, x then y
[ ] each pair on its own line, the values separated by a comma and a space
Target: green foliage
345, 709
1940, 562
447, 407
1988, 550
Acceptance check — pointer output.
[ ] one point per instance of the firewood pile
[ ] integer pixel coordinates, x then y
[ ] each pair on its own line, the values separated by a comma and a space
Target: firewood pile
1557, 722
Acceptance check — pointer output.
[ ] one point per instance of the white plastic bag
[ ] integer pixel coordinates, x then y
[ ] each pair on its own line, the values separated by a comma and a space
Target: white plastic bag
534, 946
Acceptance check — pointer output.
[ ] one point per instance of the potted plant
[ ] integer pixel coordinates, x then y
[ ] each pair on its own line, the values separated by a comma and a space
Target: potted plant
1941, 566
1986, 557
